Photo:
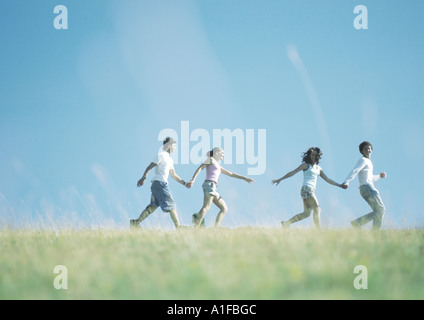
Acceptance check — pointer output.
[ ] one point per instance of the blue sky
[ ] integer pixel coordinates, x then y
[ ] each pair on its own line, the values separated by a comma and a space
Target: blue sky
81, 109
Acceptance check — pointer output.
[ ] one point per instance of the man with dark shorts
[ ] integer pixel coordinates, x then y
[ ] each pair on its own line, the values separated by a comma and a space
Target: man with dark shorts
161, 195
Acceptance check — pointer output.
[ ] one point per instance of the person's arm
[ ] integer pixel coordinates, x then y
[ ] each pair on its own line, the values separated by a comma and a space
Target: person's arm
303, 166
175, 176
358, 167
328, 180
236, 175
146, 173
377, 177
196, 173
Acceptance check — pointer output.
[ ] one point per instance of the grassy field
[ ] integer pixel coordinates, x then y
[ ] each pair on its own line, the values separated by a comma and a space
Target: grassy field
242, 263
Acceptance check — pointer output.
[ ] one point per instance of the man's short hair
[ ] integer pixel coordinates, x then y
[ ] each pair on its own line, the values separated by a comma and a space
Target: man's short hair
169, 140
364, 145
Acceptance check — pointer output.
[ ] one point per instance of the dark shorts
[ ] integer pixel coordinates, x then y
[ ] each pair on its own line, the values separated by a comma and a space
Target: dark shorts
161, 196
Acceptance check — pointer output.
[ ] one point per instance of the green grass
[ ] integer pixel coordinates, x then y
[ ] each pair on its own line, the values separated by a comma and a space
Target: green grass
243, 263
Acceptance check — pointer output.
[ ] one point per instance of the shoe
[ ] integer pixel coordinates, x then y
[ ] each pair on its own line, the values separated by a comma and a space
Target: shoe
184, 227
355, 224
134, 223
195, 219
285, 224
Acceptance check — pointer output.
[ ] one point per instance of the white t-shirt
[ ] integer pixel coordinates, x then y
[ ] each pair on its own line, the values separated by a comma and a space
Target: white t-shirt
164, 163
364, 170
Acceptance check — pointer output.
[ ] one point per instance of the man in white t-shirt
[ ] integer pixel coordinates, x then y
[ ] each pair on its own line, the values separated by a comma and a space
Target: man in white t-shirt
364, 170
161, 195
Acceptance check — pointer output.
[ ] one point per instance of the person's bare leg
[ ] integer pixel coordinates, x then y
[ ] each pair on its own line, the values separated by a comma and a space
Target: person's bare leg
144, 214
313, 203
174, 217
305, 214
207, 201
223, 209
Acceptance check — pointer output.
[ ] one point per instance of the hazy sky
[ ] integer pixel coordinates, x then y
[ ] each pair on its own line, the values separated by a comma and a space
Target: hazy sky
82, 109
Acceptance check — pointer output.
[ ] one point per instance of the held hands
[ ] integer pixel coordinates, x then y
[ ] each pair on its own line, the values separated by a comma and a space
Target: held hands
189, 184
344, 186
383, 175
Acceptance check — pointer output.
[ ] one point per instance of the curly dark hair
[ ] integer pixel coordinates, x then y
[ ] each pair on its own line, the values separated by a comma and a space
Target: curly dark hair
306, 156
365, 144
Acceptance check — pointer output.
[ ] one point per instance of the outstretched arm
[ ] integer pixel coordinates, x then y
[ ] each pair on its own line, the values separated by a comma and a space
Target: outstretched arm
236, 175
303, 166
146, 172
328, 180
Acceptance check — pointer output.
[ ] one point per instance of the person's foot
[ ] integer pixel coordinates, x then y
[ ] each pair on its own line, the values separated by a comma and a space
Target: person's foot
134, 223
285, 224
195, 220
355, 224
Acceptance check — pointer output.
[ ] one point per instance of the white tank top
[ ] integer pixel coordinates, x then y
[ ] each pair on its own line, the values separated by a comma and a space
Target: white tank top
310, 175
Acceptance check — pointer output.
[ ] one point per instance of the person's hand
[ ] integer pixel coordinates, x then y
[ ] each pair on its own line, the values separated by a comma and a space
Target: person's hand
383, 175
344, 186
248, 180
141, 181
189, 184
276, 182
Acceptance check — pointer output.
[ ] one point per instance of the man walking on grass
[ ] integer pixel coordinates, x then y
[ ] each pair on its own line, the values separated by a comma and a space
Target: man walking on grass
161, 195
364, 170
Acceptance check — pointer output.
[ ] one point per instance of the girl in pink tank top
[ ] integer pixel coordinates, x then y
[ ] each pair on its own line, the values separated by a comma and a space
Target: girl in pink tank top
213, 170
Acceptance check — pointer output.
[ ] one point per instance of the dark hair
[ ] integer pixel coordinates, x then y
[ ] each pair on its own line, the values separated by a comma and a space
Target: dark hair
210, 153
365, 144
168, 140
306, 156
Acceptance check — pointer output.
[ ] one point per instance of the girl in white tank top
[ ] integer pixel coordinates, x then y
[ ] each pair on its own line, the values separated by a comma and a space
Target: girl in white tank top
311, 171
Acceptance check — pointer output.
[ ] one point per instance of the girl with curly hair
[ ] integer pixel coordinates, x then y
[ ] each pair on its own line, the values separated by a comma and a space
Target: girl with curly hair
311, 171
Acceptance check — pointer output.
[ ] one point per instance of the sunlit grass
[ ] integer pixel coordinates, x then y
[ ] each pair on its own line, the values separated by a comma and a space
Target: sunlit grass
241, 263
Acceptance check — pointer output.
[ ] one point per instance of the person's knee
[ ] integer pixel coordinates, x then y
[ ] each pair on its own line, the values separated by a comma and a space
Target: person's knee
306, 213
379, 208
224, 208
380, 212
